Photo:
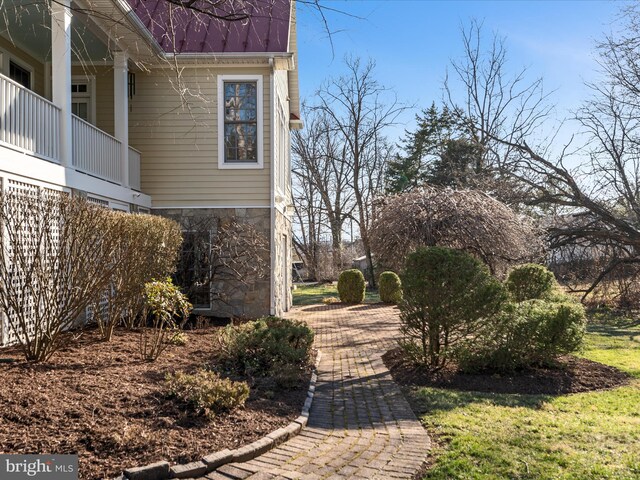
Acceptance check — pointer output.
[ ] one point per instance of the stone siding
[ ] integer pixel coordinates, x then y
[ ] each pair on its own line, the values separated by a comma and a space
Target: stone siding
282, 263
253, 300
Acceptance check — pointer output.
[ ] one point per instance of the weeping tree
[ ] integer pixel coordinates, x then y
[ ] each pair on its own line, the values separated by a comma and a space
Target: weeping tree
466, 220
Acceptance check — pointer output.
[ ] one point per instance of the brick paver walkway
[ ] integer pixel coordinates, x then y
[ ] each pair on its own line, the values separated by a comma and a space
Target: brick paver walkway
360, 425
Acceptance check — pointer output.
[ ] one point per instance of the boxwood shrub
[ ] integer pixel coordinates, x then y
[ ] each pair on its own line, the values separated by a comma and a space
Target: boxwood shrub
351, 286
530, 281
262, 347
390, 287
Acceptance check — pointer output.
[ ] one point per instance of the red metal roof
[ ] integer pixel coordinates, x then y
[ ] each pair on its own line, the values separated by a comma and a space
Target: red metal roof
266, 29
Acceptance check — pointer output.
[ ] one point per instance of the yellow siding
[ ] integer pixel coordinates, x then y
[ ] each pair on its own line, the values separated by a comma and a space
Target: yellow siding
179, 142
20, 55
104, 94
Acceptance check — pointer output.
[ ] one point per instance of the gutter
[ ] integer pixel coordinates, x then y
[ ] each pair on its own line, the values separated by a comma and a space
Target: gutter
272, 186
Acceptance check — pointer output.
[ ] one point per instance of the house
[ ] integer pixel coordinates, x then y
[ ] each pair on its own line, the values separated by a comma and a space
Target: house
144, 106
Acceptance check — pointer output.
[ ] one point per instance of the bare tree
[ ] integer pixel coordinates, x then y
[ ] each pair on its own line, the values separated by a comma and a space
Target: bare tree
322, 182
221, 258
598, 201
357, 112
494, 105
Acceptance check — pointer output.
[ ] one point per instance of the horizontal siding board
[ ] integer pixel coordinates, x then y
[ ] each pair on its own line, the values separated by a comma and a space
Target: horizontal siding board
180, 146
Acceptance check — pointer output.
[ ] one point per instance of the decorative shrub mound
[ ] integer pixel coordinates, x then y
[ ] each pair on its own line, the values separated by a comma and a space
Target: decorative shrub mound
266, 346
206, 392
351, 286
390, 287
530, 281
448, 296
532, 332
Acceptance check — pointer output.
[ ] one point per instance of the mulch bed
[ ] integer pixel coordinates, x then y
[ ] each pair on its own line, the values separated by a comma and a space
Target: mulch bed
570, 375
101, 401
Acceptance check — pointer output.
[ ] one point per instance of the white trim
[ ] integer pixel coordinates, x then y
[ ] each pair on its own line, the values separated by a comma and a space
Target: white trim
175, 207
90, 80
272, 187
259, 164
28, 166
6, 58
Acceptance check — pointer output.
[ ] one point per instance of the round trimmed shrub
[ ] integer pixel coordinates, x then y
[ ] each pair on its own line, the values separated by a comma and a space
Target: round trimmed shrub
530, 282
351, 286
448, 295
390, 287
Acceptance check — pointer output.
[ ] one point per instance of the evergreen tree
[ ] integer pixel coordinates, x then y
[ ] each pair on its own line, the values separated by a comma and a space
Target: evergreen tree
440, 152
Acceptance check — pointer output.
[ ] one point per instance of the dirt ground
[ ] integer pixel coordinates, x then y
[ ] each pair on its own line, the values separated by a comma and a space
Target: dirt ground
101, 401
571, 375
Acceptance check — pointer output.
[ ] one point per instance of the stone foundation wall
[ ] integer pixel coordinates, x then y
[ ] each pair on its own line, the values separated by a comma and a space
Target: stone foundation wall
282, 264
250, 301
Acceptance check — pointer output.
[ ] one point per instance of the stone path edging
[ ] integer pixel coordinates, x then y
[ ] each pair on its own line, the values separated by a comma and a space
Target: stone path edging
361, 426
164, 471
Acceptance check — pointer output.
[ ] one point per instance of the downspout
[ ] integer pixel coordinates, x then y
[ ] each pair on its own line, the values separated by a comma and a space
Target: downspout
272, 186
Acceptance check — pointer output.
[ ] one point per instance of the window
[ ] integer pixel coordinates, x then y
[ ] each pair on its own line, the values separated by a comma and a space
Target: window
240, 121
193, 273
19, 74
82, 101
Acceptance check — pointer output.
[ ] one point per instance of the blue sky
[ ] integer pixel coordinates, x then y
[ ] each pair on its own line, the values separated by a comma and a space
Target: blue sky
413, 42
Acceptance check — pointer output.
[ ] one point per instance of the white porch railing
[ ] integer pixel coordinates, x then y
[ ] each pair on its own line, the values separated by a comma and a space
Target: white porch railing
95, 152
28, 121
134, 168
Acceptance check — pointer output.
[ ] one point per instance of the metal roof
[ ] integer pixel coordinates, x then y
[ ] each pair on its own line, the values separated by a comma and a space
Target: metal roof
181, 30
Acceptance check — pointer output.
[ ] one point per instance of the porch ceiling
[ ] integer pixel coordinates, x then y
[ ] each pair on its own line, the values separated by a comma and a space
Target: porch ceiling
27, 25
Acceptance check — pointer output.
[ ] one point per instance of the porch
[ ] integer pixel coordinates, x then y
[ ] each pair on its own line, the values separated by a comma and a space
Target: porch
30, 124
48, 95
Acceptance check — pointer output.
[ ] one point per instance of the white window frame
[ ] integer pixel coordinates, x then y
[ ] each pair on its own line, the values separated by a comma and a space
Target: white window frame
6, 58
259, 164
90, 81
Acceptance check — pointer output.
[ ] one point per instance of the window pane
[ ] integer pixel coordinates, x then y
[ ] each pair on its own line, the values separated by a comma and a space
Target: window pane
80, 109
20, 75
241, 117
241, 141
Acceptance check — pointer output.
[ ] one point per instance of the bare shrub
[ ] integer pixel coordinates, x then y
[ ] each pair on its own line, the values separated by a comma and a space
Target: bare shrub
462, 219
147, 248
220, 256
56, 256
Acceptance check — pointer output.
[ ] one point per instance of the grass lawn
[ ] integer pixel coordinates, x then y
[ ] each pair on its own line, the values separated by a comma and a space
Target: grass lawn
582, 436
315, 293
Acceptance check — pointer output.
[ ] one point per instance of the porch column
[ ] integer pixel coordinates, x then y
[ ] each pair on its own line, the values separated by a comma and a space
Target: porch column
61, 74
121, 110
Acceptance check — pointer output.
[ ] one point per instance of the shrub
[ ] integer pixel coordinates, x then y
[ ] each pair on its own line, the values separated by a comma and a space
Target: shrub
532, 332
57, 255
164, 303
351, 286
147, 248
390, 287
257, 348
530, 281
206, 392
448, 295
